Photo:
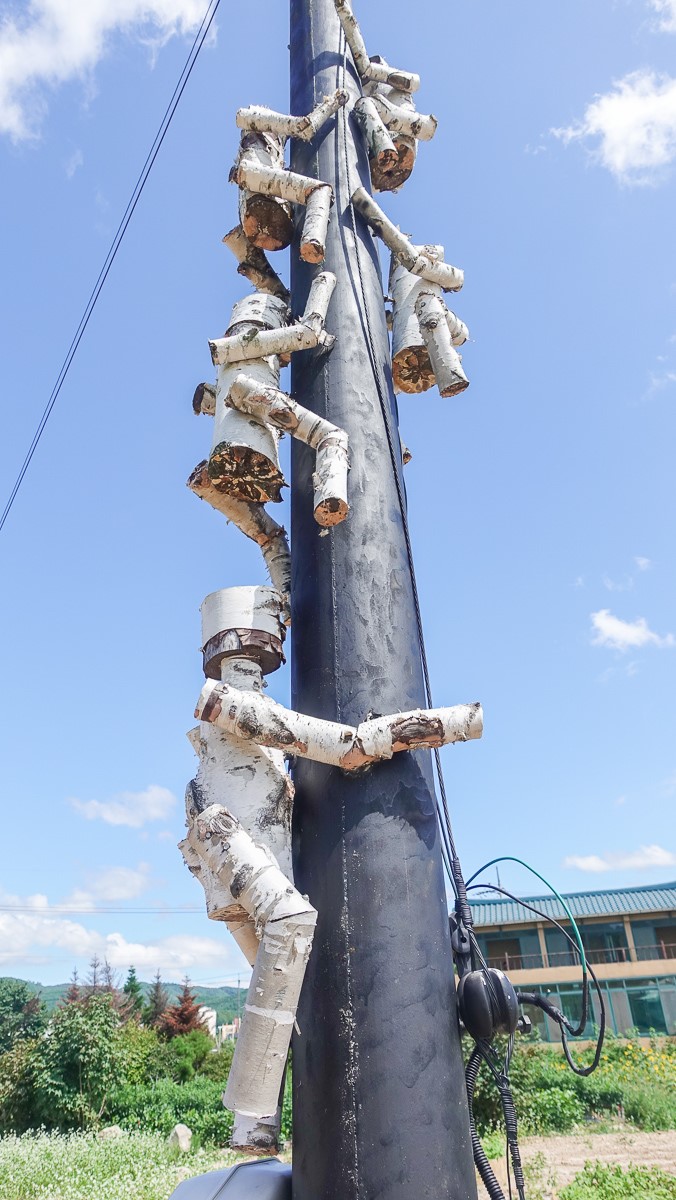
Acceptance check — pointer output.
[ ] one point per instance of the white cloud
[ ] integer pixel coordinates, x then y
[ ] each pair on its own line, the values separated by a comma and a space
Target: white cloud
29, 937
55, 41
129, 808
632, 127
667, 11
73, 163
658, 382
618, 585
643, 564
642, 859
624, 635
110, 884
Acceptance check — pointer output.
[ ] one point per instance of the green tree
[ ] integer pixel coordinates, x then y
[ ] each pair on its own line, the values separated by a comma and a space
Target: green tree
134, 993
184, 1015
74, 992
22, 1013
186, 1054
76, 1063
157, 1005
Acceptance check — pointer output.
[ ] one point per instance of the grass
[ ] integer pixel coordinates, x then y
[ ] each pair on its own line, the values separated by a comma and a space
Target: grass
136, 1166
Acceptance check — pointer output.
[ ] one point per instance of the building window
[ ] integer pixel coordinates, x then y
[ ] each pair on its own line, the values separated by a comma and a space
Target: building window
646, 1010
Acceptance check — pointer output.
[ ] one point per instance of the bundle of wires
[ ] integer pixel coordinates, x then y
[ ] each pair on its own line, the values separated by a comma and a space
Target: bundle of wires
485, 1052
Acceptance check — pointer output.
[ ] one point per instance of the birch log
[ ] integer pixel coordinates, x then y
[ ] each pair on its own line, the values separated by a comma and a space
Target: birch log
285, 922
255, 523
413, 257
305, 334
265, 120
397, 113
274, 407
380, 147
254, 266
413, 370
444, 359
262, 180
267, 219
269, 724
244, 459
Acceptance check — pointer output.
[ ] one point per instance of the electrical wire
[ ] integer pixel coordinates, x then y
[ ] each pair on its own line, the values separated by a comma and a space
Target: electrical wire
169, 112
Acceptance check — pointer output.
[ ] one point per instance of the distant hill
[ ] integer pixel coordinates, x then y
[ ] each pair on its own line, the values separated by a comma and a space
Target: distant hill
228, 1001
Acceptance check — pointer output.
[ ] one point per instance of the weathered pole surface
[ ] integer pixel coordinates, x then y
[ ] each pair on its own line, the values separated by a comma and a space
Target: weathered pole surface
380, 1109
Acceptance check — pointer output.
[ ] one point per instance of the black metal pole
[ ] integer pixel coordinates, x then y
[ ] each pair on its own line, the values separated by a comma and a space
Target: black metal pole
380, 1109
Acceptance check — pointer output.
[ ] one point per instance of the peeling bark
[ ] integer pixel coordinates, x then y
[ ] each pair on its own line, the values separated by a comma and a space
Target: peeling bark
413, 257
267, 221
255, 523
269, 724
444, 359
399, 115
254, 266
274, 407
265, 120
242, 635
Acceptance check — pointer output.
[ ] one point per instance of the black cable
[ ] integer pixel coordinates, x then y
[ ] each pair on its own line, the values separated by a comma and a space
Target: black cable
114, 246
539, 1001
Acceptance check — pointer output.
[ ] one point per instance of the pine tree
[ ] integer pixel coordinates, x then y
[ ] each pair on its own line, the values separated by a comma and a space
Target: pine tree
158, 1001
134, 993
94, 981
74, 992
184, 1015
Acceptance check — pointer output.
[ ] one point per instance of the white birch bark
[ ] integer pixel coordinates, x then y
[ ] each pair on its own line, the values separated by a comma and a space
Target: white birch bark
254, 266
267, 221
265, 120
244, 459
413, 368
370, 68
258, 310
255, 523
398, 114
381, 150
285, 922
269, 724
303, 335
444, 359
268, 404
406, 455
242, 635
316, 224
413, 257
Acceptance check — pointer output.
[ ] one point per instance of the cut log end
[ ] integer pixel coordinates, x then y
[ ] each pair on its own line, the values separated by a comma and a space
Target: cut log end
412, 370
456, 384
268, 222
331, 512
245, 474
393, 176
312, 252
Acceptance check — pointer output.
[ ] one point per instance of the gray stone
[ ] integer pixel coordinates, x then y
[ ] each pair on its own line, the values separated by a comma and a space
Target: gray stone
180, 1136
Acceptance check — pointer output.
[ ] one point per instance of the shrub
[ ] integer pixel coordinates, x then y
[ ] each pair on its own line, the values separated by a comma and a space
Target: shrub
217, 1064
186, 1053
159, 1106
600, 1182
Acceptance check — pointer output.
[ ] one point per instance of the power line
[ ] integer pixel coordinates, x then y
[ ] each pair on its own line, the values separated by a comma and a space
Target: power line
200, 37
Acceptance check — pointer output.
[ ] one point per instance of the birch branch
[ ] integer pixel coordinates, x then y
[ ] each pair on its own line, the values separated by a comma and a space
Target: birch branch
274, 407
265, 120
371, 68
449, 278
402, 119
244, 459
254, 266
381, 149
255, 523
258, 718
434, 325
267, 221
305, 334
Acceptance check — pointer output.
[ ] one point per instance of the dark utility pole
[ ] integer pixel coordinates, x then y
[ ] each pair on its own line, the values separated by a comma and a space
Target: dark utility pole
380, 1111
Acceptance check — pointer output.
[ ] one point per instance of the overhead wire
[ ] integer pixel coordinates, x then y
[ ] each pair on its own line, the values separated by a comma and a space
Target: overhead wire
137, 191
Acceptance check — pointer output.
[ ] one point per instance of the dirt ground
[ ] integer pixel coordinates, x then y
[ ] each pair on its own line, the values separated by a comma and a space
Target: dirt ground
552, 1162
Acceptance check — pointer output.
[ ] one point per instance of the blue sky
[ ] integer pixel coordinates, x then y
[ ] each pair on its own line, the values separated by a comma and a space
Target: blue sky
547, 573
